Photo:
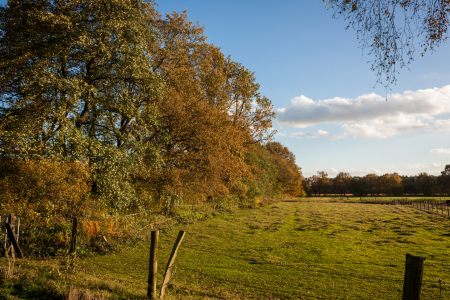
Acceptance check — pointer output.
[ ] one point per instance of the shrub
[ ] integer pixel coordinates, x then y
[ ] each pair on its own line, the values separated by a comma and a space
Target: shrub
46, 195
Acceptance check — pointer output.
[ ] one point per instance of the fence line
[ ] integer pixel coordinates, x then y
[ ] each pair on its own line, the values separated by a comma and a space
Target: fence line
436, 206
309, 267
271, 290
284, 264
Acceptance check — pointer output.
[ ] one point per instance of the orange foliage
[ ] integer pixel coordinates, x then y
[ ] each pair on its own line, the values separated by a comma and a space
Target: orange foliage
45, 191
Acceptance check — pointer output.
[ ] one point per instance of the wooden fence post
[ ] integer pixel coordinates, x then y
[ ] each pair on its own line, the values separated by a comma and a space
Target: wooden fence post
12, 238
11, 221
153, 265
173, 255
412, 284
73, 241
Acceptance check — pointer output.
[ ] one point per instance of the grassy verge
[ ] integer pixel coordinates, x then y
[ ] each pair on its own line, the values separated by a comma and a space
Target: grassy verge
310, 249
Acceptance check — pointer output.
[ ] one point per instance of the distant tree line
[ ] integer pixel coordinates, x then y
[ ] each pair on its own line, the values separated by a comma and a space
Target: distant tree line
394, 184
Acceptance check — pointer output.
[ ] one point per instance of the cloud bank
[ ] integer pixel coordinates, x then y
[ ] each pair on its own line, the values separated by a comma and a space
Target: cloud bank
440, 151
332, 172
371, 115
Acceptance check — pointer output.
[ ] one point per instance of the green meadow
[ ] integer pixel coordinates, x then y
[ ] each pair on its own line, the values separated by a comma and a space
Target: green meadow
298, 249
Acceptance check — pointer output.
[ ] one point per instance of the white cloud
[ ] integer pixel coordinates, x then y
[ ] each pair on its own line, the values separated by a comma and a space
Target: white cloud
332, 172
440, 151
440, 166
363, 172
371, 115
441, 125
415, 166
319, 134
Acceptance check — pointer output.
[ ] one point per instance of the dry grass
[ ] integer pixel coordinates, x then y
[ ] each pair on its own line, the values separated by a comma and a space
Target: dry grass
8, 272
85, 294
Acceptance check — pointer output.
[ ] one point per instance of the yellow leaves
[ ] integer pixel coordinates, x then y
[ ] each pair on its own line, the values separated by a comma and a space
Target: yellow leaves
47, 188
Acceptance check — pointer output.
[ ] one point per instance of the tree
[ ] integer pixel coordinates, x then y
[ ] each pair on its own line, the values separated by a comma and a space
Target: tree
426, 184
265, 182
342, 183
323, 182
390, 40
409, 185
359, 186
306, 187
314, 184
248, 109
209, 122
392, 184
371, 183
444, 180
76, 84
289, 174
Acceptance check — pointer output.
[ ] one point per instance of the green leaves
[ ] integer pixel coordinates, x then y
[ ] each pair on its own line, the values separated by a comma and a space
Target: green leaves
77, 84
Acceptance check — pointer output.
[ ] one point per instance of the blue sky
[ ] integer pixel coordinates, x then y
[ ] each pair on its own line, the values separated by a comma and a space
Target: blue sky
328, 113
316, 75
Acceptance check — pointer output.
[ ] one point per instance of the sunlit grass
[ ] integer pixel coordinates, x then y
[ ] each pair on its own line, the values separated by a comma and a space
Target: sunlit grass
310, 249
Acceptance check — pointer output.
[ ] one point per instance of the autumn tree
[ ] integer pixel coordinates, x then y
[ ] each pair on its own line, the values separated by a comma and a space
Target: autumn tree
389, 29
444, 180
156, 112
426, 184
409, 185
211, 113
342, 183
371, 182
306, 187
314, 184
359, 186
289, 174
320, 183
392, 184
264, 183
248, 109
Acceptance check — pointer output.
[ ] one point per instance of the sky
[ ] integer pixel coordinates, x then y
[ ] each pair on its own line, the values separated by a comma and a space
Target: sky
329, 112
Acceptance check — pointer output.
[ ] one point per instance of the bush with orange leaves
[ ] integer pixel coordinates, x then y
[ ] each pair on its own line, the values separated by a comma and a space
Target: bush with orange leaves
46, 195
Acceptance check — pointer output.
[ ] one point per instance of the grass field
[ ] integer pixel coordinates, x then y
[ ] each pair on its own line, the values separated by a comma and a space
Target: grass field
306, 249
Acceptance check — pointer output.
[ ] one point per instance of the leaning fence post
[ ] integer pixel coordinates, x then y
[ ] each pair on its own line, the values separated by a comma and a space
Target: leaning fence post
412, 284
153, 265
12, 238
11, 221
173, 255
73, 241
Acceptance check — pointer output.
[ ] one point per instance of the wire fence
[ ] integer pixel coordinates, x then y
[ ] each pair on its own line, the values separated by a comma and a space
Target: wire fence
340, 283
438, 207
439, 286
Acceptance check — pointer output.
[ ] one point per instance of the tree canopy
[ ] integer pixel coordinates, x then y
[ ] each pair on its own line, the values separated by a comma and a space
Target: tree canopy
153, 111
389, 29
